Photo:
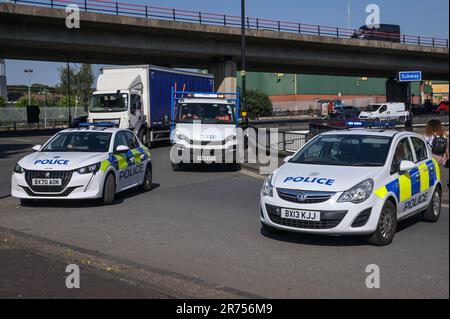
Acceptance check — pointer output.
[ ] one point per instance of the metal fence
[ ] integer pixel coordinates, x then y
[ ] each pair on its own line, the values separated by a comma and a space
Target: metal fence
12, 118
291, 142
151, 12
287, 141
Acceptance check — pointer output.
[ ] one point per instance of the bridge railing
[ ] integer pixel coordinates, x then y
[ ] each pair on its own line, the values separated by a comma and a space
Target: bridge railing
145, 11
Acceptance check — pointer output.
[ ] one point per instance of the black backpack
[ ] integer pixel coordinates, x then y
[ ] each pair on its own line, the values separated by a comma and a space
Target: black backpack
439, 145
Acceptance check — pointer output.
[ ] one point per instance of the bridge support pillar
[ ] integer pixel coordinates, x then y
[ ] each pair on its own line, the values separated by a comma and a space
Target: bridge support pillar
224, 76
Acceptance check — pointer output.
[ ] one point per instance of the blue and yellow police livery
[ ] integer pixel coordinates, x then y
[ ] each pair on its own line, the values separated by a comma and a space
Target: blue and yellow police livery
358, 181
83, 163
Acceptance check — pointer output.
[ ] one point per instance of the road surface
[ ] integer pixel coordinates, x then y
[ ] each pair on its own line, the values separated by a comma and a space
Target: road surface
203, 226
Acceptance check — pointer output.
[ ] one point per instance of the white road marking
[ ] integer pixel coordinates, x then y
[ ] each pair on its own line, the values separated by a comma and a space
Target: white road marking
252, 174
20, 140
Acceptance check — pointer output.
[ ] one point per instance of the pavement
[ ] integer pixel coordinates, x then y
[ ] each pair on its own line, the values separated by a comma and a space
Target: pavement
197, 234
31, 276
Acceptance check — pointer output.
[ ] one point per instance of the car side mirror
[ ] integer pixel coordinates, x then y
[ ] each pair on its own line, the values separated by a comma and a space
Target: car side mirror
122, 149
287, 159
37, 148
406, 166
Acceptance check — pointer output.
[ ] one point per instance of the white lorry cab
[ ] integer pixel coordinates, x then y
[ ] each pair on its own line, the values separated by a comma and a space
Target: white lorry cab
353, 182
385, 111
138, 98
83, 163
204, 130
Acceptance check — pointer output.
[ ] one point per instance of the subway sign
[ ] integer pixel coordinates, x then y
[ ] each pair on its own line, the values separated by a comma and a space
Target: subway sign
410, 76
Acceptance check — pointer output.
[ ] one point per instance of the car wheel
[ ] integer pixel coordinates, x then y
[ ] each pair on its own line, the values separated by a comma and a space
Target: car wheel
109, 190
142, 136
402, 119
433, 211
387, 226
148, 182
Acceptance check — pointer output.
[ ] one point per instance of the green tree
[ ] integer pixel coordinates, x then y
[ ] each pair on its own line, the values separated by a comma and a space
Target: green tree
23, 101
258, 104
64, 101
2, 101
81, 79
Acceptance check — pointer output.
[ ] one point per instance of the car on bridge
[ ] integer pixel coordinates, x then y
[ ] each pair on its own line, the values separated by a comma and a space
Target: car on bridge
353, 182
83, 163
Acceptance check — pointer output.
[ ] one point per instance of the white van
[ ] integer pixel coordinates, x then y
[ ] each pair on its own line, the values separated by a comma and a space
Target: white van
385, 111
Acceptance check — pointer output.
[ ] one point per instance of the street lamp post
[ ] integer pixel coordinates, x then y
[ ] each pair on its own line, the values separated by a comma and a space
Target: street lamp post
68, 90
349, 15
243, 67
29, 71
45, 107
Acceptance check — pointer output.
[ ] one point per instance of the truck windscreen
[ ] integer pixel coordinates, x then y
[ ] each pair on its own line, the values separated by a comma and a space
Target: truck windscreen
112, 102
208, 113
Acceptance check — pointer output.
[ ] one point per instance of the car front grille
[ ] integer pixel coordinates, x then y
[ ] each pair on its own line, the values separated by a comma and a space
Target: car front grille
65, 176
207, 143
329, 219
304, 197
66, 193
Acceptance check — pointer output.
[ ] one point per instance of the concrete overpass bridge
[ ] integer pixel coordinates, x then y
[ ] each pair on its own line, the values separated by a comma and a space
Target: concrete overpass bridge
40, 33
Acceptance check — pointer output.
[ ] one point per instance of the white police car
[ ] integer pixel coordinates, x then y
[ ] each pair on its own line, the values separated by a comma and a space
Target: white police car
83, 163
357, 181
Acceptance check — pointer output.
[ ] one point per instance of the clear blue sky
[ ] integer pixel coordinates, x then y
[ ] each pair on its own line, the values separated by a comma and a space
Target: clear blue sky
416, 17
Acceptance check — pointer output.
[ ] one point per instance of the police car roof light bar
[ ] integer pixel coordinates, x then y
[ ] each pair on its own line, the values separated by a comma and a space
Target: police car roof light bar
96, 124
371, 124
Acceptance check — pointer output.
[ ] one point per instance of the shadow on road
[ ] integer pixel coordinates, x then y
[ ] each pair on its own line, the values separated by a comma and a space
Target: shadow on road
320, 240
10, 150
315, 240
86, 203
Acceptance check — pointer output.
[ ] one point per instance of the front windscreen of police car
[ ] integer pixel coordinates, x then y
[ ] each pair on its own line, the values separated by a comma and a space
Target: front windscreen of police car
357, 182
83, 163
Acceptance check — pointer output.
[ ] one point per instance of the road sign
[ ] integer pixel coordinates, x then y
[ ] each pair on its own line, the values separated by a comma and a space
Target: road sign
410, 76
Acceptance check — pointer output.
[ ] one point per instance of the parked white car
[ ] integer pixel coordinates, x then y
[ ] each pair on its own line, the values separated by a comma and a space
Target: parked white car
386, 111
354, 182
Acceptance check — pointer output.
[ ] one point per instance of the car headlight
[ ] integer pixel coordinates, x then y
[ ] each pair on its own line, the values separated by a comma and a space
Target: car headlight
89, 169
18, 169
357, 194
181, 136
231, 138
267, 188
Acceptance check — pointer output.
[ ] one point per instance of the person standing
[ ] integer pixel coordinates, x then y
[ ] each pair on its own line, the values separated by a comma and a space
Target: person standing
437, 141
